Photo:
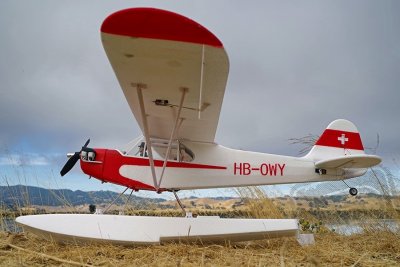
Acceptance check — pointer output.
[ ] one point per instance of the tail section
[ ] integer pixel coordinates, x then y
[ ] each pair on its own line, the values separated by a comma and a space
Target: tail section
340, 147
340, 138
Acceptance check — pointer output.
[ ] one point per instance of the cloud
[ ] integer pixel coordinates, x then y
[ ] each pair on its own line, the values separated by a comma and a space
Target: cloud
29, 159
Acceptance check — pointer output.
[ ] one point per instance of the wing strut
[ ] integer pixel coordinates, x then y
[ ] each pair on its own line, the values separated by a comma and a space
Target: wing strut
139, 88
201, 82
184, 90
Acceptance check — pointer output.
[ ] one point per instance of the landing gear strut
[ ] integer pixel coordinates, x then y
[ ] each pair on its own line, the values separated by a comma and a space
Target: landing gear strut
179, 202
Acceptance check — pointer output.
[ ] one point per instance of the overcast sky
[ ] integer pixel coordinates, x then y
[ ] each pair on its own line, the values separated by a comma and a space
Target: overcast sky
295, 66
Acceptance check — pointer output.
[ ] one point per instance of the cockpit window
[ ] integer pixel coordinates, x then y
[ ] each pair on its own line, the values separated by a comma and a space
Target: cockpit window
185, 154
142, 152
178, 151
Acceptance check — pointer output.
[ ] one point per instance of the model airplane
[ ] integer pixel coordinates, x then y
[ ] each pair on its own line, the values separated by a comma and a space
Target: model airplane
173, 73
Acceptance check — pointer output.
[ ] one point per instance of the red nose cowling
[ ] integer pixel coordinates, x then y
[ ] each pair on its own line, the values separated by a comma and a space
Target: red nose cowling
106, 165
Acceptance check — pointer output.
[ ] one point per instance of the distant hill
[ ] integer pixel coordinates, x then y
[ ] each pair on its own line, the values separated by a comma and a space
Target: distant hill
57, 199
22, 196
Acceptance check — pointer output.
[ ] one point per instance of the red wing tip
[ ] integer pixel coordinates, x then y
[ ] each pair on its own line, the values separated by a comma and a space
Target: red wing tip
160, 24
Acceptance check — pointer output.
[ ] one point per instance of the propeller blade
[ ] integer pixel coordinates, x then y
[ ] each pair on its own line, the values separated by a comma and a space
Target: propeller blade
86, 144
73, 160
70, 164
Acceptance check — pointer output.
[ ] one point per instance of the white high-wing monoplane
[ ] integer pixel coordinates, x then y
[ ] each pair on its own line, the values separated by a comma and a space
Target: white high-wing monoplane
173, 73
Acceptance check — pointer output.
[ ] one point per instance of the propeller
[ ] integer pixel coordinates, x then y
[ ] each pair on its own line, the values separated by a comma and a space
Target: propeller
72, 160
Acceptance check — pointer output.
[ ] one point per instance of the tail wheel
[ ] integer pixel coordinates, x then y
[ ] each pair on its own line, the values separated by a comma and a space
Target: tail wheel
353, 191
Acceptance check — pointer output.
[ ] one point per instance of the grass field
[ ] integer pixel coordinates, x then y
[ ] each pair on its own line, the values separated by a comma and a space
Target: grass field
379, 248
373, 247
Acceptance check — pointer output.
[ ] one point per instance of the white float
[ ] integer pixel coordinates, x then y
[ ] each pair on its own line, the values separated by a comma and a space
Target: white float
146, 230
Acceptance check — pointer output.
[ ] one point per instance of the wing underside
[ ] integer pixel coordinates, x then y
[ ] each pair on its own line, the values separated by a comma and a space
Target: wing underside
165, 61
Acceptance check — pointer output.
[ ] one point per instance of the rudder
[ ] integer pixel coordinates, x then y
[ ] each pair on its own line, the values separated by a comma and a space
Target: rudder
340, 138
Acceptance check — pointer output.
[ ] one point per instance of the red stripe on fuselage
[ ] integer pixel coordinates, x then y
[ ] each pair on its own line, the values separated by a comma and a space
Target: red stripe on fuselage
171, 164
158, 24
340, 139
112, 161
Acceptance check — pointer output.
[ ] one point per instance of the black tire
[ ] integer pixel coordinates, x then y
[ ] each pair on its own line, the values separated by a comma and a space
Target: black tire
353, 191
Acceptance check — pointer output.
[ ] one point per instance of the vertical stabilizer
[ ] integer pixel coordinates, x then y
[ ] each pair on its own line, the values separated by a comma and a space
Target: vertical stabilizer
340, 138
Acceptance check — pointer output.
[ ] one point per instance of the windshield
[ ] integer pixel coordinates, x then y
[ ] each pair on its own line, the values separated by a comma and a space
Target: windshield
178, 151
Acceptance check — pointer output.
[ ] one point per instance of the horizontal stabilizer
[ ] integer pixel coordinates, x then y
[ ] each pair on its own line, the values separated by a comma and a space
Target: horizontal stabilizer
350, 161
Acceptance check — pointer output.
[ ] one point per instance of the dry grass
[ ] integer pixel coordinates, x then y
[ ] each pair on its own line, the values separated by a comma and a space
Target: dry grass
371, 249
375, 247
257, 203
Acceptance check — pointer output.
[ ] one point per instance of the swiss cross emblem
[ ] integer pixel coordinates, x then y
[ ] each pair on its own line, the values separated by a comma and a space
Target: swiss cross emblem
343, 139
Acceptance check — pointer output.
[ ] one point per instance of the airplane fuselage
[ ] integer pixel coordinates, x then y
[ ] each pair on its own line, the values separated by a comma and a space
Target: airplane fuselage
213, 166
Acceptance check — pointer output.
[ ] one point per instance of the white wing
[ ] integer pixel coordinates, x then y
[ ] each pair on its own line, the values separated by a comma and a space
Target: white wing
166, 52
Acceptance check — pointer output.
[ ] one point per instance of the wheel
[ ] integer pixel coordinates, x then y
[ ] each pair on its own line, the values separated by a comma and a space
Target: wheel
353, 191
